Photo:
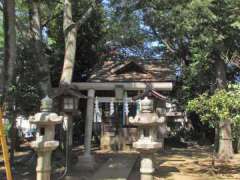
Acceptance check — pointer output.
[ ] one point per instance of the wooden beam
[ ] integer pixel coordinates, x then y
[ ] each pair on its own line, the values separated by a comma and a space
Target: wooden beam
160, 86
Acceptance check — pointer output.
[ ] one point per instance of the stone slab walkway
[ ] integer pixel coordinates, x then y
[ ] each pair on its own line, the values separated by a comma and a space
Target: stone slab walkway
116, 168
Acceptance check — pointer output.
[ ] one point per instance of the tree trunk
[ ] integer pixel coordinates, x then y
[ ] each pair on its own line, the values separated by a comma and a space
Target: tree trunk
69, 57
216, 139
221, 78
9, 43
70, 35
9, 67
36, 36
225, 151
70, 29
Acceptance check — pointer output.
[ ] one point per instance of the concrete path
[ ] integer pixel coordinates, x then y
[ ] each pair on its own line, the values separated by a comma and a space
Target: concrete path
116, 168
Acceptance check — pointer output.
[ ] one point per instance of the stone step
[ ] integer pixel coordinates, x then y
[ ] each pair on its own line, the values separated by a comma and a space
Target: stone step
116, 168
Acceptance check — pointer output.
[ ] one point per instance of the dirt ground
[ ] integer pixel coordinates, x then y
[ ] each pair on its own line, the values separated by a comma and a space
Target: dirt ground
194, 163
190, 163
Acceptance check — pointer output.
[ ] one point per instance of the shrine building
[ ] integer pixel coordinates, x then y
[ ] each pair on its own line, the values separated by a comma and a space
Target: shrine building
109, 96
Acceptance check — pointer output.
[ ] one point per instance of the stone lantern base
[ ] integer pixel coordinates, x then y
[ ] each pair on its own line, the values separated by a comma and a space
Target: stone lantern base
147, 177
146, 166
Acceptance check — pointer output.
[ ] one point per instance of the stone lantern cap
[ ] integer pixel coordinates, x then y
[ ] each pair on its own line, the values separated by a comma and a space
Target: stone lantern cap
147, 105
45, 118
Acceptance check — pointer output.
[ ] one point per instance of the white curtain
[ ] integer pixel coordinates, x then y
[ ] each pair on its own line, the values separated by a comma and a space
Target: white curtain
111, 108
97, 112
125, 106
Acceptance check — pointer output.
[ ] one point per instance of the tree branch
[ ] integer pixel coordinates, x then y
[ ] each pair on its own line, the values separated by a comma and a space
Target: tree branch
59, 2
83, 19
168, 46
47, 21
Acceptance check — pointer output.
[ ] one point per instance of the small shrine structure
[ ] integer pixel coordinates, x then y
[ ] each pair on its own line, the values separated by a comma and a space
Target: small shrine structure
111, 93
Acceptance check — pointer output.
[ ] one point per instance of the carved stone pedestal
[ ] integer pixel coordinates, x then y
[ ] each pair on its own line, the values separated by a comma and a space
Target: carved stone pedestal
146, 166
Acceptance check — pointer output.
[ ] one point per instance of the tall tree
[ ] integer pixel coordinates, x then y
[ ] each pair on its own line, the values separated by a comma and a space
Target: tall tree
70, 29
39, 55
198, 37
9, 44
9, 66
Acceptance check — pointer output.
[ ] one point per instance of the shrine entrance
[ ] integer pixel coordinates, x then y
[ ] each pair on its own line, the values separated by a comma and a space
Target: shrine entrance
110, 89
111, 122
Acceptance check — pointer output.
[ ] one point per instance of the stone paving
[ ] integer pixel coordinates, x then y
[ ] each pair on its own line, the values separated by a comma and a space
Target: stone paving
116, 168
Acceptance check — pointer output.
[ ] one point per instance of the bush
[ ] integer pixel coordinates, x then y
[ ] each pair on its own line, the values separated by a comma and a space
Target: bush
222, 105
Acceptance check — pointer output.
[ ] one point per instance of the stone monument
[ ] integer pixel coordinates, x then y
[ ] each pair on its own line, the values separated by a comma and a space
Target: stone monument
45, 143
147, 122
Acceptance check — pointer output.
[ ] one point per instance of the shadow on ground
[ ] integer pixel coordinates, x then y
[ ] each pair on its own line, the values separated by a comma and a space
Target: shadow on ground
190, 163
165, 171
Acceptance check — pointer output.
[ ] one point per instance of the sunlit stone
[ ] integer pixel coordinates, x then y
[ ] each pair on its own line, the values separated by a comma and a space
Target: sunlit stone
45, 143
147, 122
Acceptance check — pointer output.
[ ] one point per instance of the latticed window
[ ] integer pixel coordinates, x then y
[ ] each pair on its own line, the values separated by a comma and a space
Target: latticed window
68, 103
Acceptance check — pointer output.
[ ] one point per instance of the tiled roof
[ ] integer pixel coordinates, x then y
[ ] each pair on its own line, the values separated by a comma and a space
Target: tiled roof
132, 71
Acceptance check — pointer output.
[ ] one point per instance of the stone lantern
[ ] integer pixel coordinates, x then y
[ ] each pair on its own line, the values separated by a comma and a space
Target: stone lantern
147, 122
67, 98
45, 143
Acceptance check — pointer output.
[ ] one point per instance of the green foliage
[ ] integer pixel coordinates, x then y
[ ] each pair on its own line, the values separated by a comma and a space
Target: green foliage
7, 128
195, 34
187, 32
89, 36
27, 90
125, 33
222, 105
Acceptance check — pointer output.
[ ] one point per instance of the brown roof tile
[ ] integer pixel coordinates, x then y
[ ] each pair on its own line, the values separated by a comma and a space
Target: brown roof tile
132, 71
